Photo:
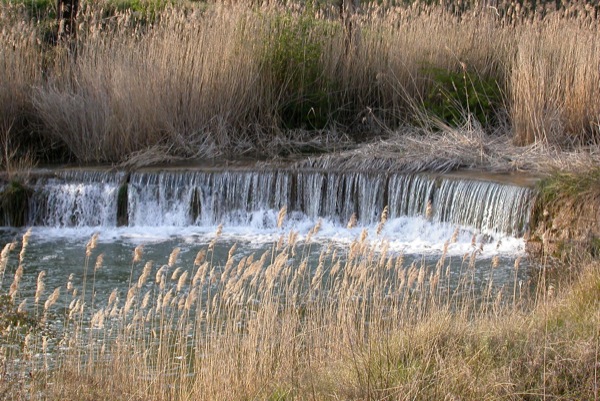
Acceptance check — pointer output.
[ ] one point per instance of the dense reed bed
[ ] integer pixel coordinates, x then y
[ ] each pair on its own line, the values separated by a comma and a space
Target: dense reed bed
204, 80
357, 324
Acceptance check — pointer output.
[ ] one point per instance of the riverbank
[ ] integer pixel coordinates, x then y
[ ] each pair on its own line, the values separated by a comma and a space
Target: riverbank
473, 86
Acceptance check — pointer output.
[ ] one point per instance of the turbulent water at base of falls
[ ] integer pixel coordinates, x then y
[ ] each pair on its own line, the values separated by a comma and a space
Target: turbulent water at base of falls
75, 198
420, 207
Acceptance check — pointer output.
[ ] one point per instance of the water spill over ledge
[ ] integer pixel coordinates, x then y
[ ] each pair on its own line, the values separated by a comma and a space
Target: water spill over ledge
423, 210
459, 226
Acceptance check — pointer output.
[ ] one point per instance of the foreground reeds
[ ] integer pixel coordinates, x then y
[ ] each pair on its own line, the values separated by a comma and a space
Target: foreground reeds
208, 80
353, 324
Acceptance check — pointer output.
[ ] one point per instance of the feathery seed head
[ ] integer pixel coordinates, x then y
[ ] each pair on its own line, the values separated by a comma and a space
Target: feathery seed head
173, 256
137, 253
352, 222
200, 257
145, 274
99, 261
495, 261
22, 305
281, 216
160, 272
182, 280
91, 245
24, 243
52, 298
454, 236
40, 286
175, 274
70, 282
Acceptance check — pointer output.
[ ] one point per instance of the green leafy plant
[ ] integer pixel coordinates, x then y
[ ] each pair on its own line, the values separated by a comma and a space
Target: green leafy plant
294, 60
454, 95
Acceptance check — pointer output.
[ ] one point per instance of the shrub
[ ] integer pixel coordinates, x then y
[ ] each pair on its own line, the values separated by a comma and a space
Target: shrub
454, 95
293, 59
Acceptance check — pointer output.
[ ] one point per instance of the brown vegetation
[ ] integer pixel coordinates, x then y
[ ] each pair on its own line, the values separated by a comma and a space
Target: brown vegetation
362, 325
566, 217
20, 72
208, 80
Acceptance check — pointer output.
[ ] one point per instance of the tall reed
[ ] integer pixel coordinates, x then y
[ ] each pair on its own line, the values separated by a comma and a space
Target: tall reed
553, 83
20, 71
189, 81
356, 324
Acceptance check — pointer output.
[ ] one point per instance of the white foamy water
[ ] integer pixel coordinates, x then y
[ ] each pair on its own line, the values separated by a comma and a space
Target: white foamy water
408, 235
158, 207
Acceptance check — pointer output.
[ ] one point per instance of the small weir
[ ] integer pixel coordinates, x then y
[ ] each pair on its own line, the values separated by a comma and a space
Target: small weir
157, 233
75, 198
253, 198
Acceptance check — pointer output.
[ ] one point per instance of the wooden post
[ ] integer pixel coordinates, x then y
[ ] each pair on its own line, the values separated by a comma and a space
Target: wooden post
66, 17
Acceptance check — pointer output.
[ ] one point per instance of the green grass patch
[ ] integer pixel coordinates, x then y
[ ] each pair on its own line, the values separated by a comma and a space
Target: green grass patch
455, 95
293, 57
565, 185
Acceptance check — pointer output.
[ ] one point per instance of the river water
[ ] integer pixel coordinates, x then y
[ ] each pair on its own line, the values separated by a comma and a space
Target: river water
156, 212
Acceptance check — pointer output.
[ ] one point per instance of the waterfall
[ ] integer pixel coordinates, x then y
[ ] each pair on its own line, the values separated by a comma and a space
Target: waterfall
485, 205
75, 199
253, 198
204, 198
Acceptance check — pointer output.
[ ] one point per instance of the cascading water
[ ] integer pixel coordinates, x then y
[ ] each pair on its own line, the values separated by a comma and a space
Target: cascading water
252, 199
75, 199
485, 205
208, 198
431, 219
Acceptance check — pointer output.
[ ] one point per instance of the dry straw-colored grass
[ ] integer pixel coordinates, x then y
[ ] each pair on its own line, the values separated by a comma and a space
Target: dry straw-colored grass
359, 324
467, 147
220, 79
188, 85
20, 72
554, 83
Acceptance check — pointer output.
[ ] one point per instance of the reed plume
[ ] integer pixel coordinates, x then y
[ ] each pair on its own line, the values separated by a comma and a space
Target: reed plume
281, 216
91, 245
39, 291
52, 299
173, 257
145, 274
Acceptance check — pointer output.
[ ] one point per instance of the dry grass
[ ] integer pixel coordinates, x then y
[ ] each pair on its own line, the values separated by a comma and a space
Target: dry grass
412, 149
204, 81
188, 85
553, 84
20, 63
358, 325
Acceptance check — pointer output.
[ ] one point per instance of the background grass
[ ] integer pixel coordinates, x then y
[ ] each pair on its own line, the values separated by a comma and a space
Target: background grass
193, 79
